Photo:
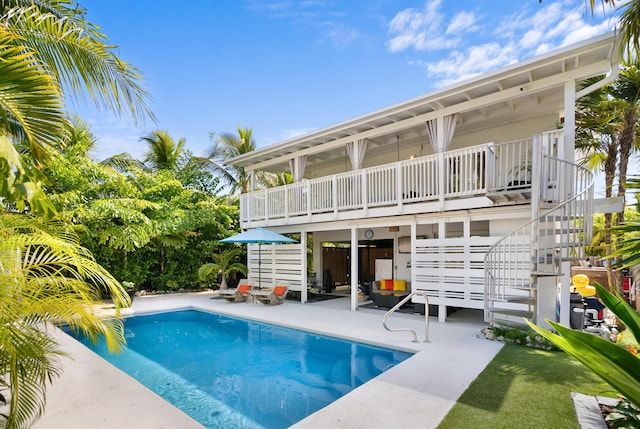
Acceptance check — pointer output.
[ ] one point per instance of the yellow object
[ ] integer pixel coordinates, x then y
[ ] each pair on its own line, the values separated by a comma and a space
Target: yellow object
399, 285
581, 285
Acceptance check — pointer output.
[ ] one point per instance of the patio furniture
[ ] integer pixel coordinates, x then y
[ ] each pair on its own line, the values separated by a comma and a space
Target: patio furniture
387, 293
240, 294
275, 296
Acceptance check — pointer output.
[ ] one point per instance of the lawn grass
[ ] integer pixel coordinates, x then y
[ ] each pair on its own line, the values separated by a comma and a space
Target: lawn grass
523, 388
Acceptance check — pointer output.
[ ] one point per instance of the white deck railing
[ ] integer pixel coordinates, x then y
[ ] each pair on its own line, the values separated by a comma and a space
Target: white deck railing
539, 247
467, 172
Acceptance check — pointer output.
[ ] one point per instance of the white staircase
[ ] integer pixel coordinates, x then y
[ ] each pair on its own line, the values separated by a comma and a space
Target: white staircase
522, 269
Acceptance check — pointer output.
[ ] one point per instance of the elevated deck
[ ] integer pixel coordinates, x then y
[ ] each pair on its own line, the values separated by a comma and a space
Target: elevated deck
481, 176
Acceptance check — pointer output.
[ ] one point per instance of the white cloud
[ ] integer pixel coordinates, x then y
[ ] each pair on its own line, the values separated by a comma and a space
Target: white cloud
462, 22
340, 35
291, 134
495, 42
531, 39
414, 29
472, 62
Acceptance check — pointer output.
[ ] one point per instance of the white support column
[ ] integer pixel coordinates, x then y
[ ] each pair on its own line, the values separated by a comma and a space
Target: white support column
274, 279
569, 155
414, 234
442, 233
305, 269
569, 121
354, 268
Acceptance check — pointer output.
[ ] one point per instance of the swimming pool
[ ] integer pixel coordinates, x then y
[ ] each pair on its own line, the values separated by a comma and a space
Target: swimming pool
228, 372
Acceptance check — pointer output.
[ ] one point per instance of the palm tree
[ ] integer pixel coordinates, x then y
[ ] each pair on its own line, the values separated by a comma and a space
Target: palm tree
627, 89
46, 279
229, 146
273, 180
223, 264
599, 122
164, 152
31, 108
628, 24
48, 49
80, 57
49, 52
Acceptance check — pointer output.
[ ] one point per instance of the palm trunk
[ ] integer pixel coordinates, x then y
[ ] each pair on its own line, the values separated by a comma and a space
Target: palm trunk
610, 164
626, 143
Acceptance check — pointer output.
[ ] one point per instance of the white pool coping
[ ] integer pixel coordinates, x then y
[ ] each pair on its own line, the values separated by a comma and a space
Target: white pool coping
416, 393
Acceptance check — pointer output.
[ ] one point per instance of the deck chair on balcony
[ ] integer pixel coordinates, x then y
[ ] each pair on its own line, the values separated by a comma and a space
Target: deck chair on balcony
277, 295
239, 294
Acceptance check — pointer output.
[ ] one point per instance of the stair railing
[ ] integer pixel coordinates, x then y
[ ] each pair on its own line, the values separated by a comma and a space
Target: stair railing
558, 234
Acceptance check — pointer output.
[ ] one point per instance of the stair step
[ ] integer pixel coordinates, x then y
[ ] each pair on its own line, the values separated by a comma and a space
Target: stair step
546, 273
563, 231
560, 218
521, 299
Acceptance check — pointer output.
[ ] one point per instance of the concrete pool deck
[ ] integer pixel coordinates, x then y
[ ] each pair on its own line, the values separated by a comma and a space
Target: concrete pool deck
417, 393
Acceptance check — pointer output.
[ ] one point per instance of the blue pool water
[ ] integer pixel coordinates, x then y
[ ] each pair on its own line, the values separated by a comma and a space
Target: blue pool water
232, 373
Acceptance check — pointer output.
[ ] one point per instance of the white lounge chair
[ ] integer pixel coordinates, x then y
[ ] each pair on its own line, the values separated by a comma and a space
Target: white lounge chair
239, 294
277, 295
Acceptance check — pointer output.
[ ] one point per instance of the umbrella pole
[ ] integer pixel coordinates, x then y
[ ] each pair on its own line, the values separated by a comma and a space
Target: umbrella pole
259, 266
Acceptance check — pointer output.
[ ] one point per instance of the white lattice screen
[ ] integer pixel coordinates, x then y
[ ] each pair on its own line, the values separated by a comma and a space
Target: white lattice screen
451, 270
279, 263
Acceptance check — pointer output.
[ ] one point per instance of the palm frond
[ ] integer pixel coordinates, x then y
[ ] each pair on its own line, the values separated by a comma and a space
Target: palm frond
78, 55
29, 96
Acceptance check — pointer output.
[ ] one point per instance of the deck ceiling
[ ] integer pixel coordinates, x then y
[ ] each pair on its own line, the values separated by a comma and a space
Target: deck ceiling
520, 91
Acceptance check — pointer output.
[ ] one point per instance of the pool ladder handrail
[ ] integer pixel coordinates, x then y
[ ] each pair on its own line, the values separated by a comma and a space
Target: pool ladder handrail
426, 316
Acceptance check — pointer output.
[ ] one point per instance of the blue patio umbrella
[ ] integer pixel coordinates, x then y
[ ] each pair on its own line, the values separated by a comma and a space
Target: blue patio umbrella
258, 236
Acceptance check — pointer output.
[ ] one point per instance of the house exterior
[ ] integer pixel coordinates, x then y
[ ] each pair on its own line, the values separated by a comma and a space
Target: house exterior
472, 191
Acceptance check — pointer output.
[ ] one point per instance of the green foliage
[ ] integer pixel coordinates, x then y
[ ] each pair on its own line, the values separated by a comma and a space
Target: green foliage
618, 366
511, 335
629, 251
224, 263
629, 231
144, 226
50, 53
624, 415
46, 278
163, 152
226, 147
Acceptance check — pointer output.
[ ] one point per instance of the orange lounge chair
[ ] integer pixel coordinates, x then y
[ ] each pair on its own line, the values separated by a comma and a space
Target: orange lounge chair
240, 294
274, 296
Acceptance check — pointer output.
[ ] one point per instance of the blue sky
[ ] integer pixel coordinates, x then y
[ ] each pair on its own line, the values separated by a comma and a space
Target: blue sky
286, 67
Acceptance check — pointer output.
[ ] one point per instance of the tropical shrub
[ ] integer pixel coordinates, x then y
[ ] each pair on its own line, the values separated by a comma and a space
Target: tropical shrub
224, 263
46, 279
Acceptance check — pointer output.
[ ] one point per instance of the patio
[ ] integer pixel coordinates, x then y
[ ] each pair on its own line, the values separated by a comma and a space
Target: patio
420, 391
